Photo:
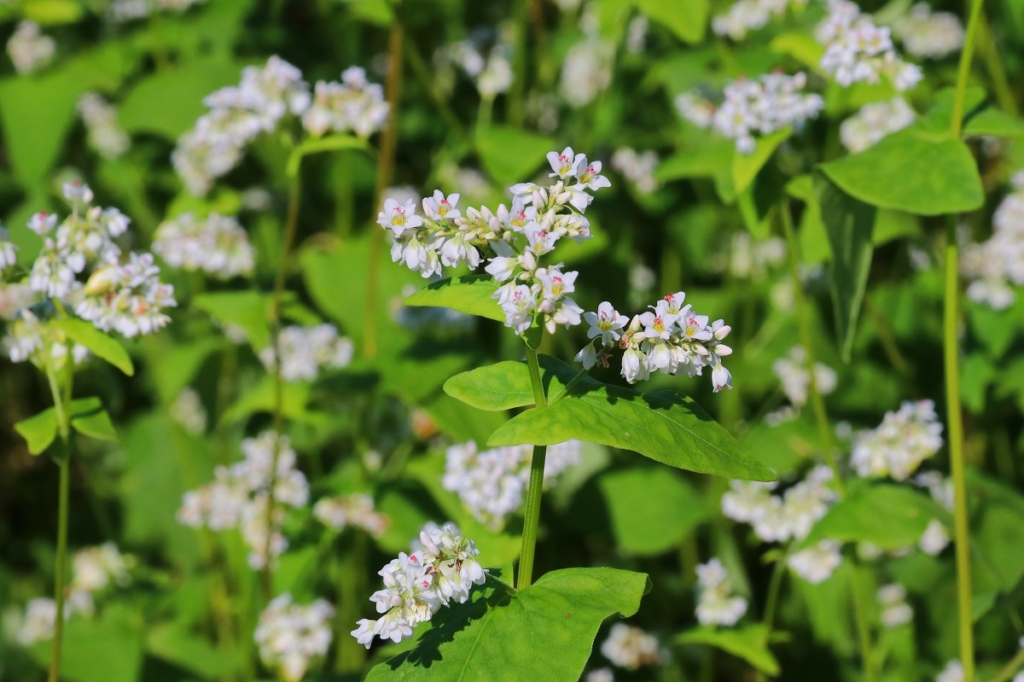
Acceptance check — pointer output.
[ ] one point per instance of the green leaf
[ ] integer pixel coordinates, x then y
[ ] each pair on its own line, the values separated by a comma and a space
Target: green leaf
507, 385
746, 166
849, 224
702, 162
886, 515
173, 643
39, 430
664, 425
376, 12
101, 345
993, 122
749, 643
90, 419
244, 309
470, 294
510, 155
686, 18
543, 632
801, 46
106, 648
48, 12
913, 170
168, 102
652, 509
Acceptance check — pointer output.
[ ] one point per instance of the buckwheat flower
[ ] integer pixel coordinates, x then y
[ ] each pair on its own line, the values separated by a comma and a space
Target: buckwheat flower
352, 510
630, 647
96, 568
792, 371
816, 564
29, 49
939, 487
902, 441
42, 223
354, 105
858, 51
588, 176
873, 122
103, 133
562, 164
440, 207
995, 267
216, 245
953, 672
518, 304
8, 251
399, 218
586, 71
695, 108
306, 351
781, 517
492, 484
601, 675
606, 324
188, 411
928, 34
496, 76
634, 366
128, 298
29, 339
934, 539
716, 604
754, 259
637, 167
38, 623
895, 610
441, 570
293, 638
750, 15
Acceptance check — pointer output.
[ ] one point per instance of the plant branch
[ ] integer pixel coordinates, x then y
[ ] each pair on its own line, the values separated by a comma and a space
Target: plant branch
61, 407
536, 489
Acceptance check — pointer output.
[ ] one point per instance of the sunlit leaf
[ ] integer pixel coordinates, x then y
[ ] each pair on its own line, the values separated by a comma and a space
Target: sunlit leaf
749, 643
101, 345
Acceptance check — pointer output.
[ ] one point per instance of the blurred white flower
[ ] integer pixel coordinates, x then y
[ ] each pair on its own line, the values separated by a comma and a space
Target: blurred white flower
996, 266
636, 167
188, 411
858, 51
356, 510
953, 672
716, 604
293, 638
796, 379
630, 648
354, 105
586, 71
306, 351
216, 245
873, 122
29, 49
744, 16
928, 34
902, 441
103, 133
816, 564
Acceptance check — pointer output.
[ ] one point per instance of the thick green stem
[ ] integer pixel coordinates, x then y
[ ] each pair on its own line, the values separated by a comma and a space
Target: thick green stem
536, 489
288, 241
385, 171
806, 338
951, 357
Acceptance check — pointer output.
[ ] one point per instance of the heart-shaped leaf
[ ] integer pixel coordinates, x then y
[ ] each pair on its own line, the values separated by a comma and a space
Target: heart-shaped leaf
469, 294
507, 385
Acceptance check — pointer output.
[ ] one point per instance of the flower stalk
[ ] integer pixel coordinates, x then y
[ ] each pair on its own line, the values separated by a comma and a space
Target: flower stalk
536, 489
61, 407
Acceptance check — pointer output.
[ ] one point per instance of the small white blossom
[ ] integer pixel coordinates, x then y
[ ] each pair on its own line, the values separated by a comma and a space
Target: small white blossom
29, 49
352, 510
217, 245
895, 609
816, 564
586, 71
637, 167
716, 604
902, 441
630, 648
996, 266
354, 105
934, 539
293, 638
744, 16
858, 51
103, 132
928, 34
779, 518
187, 409
306, 351
796, 379
873, 122
953, 672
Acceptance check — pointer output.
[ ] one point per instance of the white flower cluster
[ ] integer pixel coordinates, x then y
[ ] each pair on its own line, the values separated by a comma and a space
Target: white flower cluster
130, 10
953, 672
716, 604
751, 107
80, 267
796, 378
354, 104
93, 570
753, 258
293, 638
630, 647
935, 538
601, 675
586, 71
492, 75
216, 245
895, 609
30, 339
352, 510
858, 51
519, 236
899, 444
188, 411
238, 114
492, 483
441, 571
237, 498
816, 564
306, 351
997, 265
873, 122
102, 131
637, 167
778, 518
669, 338
750, 15
29, 49
928, 34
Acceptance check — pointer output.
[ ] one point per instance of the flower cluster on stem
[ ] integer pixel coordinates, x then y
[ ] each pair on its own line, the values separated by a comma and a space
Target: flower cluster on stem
293, 638
716, 603
216, 245
858, 51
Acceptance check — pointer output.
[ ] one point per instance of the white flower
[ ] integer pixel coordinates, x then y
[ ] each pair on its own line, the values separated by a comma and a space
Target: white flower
778, 518
901, 442
934, 539
895, 610
995, 266
440, 207
128, 298
953, 672
816, 564
188, 410
638, 168
104, 134
218, 245
873, 122
716, 605
353, 510
858, 51
630, 647
29, 49
606, 324
601, 675
796, 378
293, 638
586, 71
492, 483
749, 15
306, 351
929, 34
397, 217
354, 105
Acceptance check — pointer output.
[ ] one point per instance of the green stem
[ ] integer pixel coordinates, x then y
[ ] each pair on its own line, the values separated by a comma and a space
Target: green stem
288, 241
806, 337
774, 589
861, 621
60, 406
951, 363
351, 654
1010, 669
536, 489
385, 171
997, 72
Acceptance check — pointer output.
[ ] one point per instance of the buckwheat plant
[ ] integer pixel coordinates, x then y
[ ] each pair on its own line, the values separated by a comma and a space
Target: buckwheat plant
80, 287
